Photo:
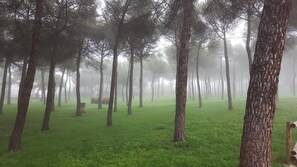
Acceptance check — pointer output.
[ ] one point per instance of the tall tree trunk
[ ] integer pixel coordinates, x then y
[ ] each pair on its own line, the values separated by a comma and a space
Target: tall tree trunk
115, 63
294, 76
78, 60
248, 35
50, 91
65, 86
115, 107
22, 81
222, 79
230, 107
69, 90
9, 85
193, 87
141, 83
101, 83
15, 139
197, 77
182, 71
60, 89
3, 85
260, 107
234, 79
42, 71
153, 87
131, 82
127, 83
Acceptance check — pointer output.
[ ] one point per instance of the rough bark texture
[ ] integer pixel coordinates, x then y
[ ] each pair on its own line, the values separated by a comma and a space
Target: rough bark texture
3, 85
182, 72
261, 99
15, 139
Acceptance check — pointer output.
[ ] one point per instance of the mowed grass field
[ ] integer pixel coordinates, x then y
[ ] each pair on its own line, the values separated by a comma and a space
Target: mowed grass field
143, 139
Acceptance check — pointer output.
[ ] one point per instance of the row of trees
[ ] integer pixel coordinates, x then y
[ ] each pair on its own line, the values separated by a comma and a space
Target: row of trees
73, 31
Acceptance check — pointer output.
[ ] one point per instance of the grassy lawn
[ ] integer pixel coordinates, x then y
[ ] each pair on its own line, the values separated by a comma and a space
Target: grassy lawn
143, 139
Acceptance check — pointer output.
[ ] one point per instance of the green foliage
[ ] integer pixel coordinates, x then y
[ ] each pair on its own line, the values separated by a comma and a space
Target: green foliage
143, 139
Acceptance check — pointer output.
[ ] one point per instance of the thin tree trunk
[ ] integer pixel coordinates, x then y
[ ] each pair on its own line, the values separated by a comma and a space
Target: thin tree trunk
50, 90
153, 87
127, 83
182, 71
60, 89
131, 82
141, 83
69, 90
101, 83
260, 106
158, 90
115, 63
197, 76
115, 109
234, 79
42, 71
230, 107
9, 85
222, 79
78, 98
65, 86
3, 85
15, 139
294, 76
248, 36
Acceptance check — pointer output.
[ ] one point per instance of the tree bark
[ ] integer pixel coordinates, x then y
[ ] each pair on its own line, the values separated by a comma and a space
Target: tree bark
115, 107
197, 76
60, 89
230, 107
141, 83
182, 71
65, 86
9, 85
234, 79
69, 90
101, 83
21, 86
222, 79
78, 60
50, 91
260, 107
248, 36
42, 71
3, 85
15, 139
131, 81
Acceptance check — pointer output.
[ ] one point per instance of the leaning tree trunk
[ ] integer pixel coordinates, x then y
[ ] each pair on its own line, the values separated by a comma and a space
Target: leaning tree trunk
9, 85
60, 88
101, 84
182, 71
131, 82
78, 60
21, 86
227, 74
260, 107
3, 85
15, 139
141, 83
50, 90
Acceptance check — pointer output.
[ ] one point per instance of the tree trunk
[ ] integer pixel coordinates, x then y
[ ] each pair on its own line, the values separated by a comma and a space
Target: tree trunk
222, 79
141, 83
182, 71
50, 91
234, 79
101, 83
227, 74
60, 89
127, 83
131, 82
294, 76
260, 107
78, 60
158, 88
9, 85
65, 86
15, 139
115, 63
153, 87
197, 76
21, 86
248, 36
69, 90
115, 107
3, 85
42, 71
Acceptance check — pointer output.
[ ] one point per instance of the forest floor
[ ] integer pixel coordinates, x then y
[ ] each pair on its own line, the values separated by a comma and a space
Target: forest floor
143, 139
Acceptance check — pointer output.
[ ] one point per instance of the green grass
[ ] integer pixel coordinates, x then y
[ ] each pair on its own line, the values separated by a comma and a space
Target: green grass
143, 139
